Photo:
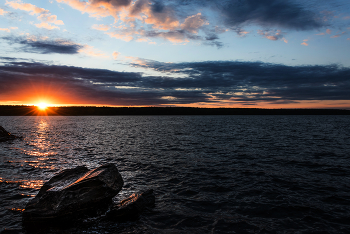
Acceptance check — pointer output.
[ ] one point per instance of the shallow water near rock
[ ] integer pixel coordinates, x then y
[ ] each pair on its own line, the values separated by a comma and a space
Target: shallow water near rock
210, 174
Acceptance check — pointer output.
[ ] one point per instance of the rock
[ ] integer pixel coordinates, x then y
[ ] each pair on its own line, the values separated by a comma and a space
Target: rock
5, 135
131, 207
73, 194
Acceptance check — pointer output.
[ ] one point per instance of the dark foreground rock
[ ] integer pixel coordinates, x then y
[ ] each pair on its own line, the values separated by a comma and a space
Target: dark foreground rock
132, 207
5, 135
73, 194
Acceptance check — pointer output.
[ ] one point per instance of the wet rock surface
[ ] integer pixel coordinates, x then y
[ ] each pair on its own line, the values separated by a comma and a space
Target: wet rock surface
74, 193
5, 135
132, 207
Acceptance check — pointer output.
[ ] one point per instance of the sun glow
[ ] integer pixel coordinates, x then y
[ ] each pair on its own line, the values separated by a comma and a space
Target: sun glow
42, 106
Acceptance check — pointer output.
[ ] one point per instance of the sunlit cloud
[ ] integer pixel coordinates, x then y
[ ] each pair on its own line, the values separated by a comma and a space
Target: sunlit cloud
338, 35
26, 7
91, 51
125, 35
2, 11
304, 42
115, 55
101, 27
328, 31
98, 8
44, 15
8, 29
193, 23
46, 26
50, 19
272, 35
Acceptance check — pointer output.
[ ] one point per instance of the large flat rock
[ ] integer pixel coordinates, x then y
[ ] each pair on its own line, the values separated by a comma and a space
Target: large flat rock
73, 193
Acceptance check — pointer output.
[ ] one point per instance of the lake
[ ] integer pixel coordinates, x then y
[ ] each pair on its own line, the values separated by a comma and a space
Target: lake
210, 174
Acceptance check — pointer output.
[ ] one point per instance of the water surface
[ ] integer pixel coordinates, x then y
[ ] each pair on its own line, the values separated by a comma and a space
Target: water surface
211, 174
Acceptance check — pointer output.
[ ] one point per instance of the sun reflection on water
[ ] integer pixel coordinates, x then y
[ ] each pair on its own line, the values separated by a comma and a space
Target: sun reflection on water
33, 184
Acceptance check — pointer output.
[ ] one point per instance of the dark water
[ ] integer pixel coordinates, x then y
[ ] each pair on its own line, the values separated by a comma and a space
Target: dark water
211, 174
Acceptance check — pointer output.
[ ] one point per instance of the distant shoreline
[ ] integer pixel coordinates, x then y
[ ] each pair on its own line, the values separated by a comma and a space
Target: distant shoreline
100, 111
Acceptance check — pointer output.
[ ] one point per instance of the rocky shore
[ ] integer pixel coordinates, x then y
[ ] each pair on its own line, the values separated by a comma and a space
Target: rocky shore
79, 193
5, 135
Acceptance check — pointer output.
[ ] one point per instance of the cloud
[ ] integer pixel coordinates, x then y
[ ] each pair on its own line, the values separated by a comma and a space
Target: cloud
26, 7
50, 18
328, 31
101, 27
115, 55
8, 29
304, 42
267, 13
200, 82
176, 36
338, 35
272, 35
2, 11
33, 44
91, 51
125, 35
44, 15
46, 26
179, 21
193, 23
98, 8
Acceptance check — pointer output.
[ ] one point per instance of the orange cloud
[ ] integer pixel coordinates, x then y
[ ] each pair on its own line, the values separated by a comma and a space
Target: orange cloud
141, 40
2, 12
272, 35
46, 26
101, 27
125, 36
115, 54
8, 29
193, 23
162, 18
98, 8
328, 31
50, 18
26, 7
91, 51
338, 35
44, 15
304, 42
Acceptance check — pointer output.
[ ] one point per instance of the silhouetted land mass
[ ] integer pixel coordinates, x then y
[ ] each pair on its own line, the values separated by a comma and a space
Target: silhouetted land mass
81, 110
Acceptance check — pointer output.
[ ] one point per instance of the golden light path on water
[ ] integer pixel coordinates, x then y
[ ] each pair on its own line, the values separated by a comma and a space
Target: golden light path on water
40, 152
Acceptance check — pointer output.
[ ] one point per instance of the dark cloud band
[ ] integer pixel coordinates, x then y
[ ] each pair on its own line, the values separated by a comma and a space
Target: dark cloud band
208, 82
40, 46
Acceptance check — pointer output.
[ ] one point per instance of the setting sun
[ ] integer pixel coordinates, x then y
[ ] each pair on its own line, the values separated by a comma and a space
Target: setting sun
42, 106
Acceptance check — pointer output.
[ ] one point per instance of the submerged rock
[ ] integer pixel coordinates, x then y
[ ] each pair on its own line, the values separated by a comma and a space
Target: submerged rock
72, 194
5, 135
132, 207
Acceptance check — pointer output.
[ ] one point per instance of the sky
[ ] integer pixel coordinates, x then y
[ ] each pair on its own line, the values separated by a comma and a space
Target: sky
195, 53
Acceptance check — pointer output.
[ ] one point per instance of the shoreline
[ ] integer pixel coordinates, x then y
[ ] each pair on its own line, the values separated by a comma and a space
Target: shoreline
102, 111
